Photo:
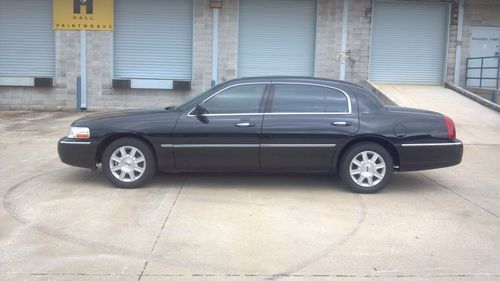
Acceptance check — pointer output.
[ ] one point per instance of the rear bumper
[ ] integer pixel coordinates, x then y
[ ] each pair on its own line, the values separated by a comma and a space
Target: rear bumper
77, 153
424, 156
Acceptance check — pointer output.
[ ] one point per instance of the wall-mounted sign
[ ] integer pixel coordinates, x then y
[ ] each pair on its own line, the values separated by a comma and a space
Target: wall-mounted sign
83, 14
215, 4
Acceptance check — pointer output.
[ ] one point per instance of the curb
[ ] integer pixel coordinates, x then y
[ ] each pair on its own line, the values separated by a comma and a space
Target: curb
473, 96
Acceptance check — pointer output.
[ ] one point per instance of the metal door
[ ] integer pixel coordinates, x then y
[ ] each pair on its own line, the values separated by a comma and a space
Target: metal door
485, 43
276, 37
27, 39
408, 42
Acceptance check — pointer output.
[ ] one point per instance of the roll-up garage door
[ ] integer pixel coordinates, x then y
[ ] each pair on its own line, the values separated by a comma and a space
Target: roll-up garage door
408, 42
27, 44
276, 37
153, 39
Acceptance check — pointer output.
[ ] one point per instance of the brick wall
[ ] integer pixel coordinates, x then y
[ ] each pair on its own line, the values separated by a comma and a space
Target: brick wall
358, 40
100, 94
328, 40
228, 41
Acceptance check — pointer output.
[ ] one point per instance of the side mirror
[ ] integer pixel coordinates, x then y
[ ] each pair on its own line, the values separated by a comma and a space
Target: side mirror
200, 112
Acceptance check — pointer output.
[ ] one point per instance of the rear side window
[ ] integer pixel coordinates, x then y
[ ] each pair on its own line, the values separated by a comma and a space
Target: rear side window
308, 99
238, 99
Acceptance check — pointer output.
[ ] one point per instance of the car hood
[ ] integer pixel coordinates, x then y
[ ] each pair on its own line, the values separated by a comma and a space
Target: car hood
117, 114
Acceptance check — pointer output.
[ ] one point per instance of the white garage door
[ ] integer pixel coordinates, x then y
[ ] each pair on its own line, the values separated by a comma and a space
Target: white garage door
276, 37
408, 42
27, 40
153, 39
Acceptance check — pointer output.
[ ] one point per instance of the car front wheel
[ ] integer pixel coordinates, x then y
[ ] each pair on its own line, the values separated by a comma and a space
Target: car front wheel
128, 163
366, 167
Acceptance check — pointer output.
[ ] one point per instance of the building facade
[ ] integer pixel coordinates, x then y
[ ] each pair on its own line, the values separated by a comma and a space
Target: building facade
162, 52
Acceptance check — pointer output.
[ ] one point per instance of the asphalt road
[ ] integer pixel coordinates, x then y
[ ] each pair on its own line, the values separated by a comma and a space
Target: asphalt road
63, 223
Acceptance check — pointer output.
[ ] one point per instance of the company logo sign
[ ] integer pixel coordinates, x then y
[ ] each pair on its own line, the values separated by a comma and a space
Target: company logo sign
83, 14
77, 5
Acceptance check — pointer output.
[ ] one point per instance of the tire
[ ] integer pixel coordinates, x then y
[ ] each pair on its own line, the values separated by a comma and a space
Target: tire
128, 163
366, 167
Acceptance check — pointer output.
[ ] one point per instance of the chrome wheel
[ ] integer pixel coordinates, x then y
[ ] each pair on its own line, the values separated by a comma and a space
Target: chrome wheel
127, 163
367, 168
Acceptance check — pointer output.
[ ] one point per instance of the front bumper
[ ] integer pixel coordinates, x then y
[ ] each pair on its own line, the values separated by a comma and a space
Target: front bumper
78, 153
424, 156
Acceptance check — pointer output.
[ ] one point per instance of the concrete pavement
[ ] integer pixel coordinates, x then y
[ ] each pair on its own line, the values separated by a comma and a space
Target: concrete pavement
64, 223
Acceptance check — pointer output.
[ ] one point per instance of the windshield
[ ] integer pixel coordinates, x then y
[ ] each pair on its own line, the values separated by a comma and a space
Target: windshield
194, 101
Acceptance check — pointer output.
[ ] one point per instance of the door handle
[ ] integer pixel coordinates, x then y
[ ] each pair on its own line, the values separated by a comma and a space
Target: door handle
245, 124
341, 123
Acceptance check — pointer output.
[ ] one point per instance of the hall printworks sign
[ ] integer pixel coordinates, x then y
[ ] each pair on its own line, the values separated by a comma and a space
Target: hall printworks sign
83, 14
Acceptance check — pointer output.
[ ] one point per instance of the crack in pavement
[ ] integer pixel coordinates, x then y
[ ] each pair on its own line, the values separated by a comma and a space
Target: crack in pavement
162, 227
305, 263
460, 195
248, 275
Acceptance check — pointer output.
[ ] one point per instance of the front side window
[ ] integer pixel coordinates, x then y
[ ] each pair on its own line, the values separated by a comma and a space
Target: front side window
238, 99
308, 99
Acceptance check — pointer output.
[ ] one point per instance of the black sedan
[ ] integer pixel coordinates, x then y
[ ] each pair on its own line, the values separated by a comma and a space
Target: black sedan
272, 124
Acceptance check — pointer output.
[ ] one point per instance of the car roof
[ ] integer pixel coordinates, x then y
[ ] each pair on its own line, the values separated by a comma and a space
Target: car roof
303, 79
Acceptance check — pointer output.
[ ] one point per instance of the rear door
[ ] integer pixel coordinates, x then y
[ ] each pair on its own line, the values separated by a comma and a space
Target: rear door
303, 125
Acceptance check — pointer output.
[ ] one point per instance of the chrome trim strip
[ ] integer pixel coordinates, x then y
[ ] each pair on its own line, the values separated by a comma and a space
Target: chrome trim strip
214, 145
211, 145
298, 145
430, 144
75, 142
245, 145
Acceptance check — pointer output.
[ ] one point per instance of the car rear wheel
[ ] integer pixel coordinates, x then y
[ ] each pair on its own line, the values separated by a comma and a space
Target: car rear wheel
366, 168
128, 163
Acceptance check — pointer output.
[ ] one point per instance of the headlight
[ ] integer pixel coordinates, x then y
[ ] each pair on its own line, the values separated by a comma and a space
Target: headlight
79, 133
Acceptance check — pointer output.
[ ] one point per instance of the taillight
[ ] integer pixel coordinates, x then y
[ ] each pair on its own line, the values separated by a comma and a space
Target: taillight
452, 132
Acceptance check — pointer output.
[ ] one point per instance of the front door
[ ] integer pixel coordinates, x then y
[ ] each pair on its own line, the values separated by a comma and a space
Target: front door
303, 126
485, 43
227, 136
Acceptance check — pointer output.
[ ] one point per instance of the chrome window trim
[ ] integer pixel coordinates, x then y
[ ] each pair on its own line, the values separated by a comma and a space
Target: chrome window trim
430, 144
349, 102
306, 113
75, 142
231, 114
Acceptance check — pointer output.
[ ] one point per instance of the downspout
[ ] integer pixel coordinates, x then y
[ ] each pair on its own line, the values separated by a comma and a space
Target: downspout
83, 69
458, 54
345, 17
215, 46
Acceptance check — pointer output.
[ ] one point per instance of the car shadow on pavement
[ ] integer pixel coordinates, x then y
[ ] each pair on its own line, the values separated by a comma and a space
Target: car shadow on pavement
400, 183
